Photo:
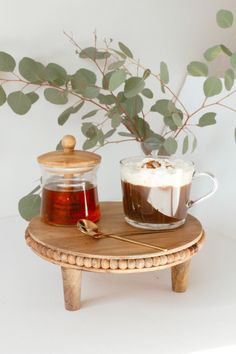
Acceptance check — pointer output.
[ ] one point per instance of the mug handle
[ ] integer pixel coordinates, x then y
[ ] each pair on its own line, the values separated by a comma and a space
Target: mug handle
213, 190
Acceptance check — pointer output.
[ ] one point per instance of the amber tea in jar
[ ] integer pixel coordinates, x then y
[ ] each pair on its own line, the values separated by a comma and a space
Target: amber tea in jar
69, 185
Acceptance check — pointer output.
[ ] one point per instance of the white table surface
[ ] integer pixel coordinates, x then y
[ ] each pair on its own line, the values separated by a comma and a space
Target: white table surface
135, 313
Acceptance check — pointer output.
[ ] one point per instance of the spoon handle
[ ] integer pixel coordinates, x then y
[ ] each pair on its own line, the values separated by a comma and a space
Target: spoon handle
135, 242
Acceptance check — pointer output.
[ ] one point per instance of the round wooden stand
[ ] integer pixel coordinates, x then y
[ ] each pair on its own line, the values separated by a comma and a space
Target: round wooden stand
76, 252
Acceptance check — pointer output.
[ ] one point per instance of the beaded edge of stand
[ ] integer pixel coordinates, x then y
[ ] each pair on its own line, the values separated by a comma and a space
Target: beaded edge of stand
112, 264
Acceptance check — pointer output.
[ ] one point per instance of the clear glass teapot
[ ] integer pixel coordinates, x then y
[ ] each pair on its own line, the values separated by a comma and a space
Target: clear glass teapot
69, 186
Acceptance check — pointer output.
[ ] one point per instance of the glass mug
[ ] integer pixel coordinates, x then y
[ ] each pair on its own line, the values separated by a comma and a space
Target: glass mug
156, 191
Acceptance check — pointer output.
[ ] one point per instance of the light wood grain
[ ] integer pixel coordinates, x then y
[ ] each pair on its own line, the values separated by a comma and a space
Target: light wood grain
179, 276
70, 240
68, 157
74, 252
72, 288
91, 264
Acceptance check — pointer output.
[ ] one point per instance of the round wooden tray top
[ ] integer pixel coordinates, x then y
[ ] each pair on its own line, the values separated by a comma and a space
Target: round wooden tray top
68, 247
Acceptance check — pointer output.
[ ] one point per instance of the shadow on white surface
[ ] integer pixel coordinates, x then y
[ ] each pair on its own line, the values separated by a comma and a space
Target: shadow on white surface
131, 313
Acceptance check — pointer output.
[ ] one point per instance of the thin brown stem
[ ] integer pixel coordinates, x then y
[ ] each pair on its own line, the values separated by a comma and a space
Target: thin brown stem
225, 106
60, 89
24, 87
166, 86
113, 142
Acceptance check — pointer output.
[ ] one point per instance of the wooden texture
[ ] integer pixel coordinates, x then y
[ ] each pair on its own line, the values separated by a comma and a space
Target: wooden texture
74, 251
68, 247
71, 240
72, 288
68, 157
179, 277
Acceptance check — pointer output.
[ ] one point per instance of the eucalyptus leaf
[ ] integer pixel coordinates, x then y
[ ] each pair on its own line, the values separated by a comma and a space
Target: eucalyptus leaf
233, 60
89, 130
77, 107
164, 107
106, 79
164, 74
141, 128
125, 50
29, 206
55, 96
83, 82
131, 106
79, 82
213, 52
170, 145
207, 119
85, 127
56, 74
117, 78
32, 71
163, 88
19, 102
212, 86
147, 93
229, 79
109, 133
196, 68
90, 114
91, 92
169, 122
127, 135
133, 86
185, 145
116, 65
7, 62
89, 52
106, 99
3, 96
90, 143
102, 55
153, 142
116, 120
194, 144
33, 96
224, 18
93, 53
100, 137
36, 189
88, 75
122, 55
64, 116
146, 73
226, 50
59, 146
177, 119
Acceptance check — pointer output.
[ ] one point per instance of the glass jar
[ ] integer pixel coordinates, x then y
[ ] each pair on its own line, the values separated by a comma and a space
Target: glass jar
69, 186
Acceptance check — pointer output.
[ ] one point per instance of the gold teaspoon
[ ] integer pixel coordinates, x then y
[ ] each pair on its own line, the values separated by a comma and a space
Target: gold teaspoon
91, 229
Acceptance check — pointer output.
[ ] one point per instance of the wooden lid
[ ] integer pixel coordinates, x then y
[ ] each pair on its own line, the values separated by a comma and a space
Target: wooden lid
68, 157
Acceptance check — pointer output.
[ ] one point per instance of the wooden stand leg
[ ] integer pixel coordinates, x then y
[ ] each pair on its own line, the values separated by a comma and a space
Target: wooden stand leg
72, 287
179, 276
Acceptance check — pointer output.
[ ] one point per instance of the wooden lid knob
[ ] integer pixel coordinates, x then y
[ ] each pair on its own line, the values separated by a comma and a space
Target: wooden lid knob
68, 157
68, 143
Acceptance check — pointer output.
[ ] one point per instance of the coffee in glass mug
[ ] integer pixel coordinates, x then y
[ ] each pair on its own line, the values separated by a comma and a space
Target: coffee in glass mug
156, 191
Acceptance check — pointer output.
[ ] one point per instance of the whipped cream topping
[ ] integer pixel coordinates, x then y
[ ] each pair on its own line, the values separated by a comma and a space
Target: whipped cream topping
154, 172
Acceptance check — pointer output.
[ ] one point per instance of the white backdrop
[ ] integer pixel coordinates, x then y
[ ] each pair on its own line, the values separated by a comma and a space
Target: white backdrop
155, 31
141, 310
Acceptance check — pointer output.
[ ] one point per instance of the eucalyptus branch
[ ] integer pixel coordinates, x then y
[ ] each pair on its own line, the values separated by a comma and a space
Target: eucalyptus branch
157, 76
112, 142
225, 106
47, 85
